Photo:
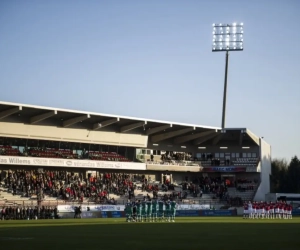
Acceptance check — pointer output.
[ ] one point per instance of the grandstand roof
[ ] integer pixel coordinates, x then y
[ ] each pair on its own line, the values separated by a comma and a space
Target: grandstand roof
156, 130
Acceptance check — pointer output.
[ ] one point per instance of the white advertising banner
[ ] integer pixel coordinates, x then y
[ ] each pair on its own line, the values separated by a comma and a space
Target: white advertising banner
33, 161
92, 208
192, 207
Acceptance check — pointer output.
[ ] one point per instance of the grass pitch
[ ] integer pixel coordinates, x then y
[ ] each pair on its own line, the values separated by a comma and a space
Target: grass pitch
220, 233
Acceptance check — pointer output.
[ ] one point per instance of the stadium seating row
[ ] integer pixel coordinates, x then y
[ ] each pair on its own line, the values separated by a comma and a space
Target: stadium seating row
62, 153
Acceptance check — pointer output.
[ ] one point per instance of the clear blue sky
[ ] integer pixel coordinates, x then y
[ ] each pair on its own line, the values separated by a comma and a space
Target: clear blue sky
153, 59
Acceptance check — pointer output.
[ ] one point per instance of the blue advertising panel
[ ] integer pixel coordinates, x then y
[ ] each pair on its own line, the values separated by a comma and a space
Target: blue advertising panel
117, 214
296, 212
186, 213
217, 212
104, 214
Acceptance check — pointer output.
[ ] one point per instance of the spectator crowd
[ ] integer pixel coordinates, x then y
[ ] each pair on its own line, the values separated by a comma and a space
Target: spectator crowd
99, 189
28, 213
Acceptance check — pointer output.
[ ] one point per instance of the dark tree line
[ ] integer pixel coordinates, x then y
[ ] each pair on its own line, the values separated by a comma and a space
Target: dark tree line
285, 177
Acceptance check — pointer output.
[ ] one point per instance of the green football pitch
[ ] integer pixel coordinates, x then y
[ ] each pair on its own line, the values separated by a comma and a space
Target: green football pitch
186, 233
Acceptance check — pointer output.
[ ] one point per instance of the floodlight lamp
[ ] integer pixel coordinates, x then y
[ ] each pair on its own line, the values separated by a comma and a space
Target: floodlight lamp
227, 37
242, 24
213, 25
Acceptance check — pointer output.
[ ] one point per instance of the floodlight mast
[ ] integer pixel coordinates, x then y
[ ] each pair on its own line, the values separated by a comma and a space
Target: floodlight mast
227, 37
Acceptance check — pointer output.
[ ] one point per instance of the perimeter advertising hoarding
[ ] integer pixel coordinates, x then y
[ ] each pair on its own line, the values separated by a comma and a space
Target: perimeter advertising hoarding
120, 208
179, 213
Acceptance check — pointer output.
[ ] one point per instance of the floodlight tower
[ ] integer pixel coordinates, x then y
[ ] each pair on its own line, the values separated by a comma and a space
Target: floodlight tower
227, 37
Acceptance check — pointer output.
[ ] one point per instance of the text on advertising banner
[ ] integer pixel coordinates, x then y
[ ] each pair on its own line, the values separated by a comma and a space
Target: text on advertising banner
33, 161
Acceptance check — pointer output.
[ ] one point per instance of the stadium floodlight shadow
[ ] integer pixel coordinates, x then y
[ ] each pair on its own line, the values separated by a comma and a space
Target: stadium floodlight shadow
186, 233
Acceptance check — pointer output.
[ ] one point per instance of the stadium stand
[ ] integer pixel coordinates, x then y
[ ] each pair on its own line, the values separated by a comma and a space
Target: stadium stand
73, 145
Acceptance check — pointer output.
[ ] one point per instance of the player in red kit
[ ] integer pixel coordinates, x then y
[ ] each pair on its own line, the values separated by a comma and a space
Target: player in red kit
277, 214
272, 210
290, 210
245, 211
254, 208
267, 210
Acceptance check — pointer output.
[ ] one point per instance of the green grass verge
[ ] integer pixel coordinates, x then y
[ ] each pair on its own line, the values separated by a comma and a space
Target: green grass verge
186, 233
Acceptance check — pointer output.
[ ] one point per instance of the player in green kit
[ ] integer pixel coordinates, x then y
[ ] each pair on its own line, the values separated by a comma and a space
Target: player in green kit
138, 211
173, 210
144, 210
154, 209
149, 210
128, 211
161, 210
168, 210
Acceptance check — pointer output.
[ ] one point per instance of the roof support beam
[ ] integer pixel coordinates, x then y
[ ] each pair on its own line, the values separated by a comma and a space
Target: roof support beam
241, 138
161, 137
38, 118
186, 138
152, 131
9, 112
106, 123
217, 139
132, 126
204, 139
69, 122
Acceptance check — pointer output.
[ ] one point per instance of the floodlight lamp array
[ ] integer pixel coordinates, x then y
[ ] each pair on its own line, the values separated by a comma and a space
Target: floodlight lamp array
228, 37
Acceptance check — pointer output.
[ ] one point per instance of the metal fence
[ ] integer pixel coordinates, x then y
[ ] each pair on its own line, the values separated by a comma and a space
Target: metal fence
48, 203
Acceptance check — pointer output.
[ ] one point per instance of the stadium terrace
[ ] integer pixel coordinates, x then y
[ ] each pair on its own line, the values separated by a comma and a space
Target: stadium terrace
55, 155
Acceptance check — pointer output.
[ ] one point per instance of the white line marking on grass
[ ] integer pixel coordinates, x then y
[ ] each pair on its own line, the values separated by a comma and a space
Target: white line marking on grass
13, 238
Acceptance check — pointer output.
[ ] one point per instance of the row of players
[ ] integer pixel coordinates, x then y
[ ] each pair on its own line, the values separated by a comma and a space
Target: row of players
279, 210
150, 210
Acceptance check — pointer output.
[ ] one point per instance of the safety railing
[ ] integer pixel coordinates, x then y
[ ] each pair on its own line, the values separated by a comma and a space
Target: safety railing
49, 203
